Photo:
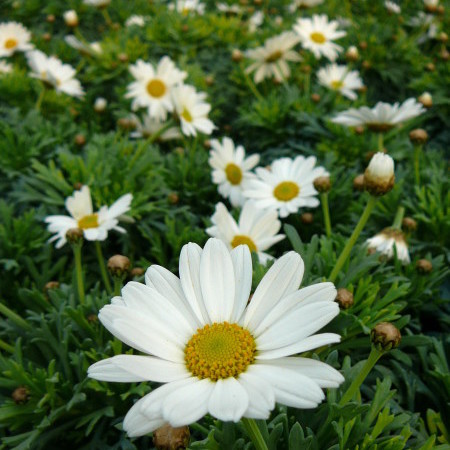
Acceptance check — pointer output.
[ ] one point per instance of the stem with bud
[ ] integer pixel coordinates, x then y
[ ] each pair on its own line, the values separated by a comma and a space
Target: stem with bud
79, 272
326, 213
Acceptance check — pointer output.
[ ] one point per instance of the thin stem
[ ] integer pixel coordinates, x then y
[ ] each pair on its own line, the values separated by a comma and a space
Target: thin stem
351, 242
417, 152
101, 263
398, 217
307, 84
14, 317
326, 213
380, 142
255, 434
118, 283
40, 99
79, 272
106, 16
251, 85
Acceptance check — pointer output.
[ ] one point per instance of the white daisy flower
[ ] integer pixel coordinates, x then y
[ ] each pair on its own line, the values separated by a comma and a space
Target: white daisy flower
95, 225
257, 229
214, 353
392, 7
296, 4
382, 117
14, 37
286, 186
229, 9
317, 35
135, 19
385, 241
5, 67
152, 88
341, 79
255, 21
71, 18
54, 73
91, 49
97, 3
149, 126
271, 60
192, 110
186, 6
231, 169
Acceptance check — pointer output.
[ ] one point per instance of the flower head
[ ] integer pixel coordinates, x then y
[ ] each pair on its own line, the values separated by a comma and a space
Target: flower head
149, 126
215, 353
392, 7
95, 225
379, 176
91, 49
385, 241
14, 37
5, 67
135, 20
340, 79
186, 6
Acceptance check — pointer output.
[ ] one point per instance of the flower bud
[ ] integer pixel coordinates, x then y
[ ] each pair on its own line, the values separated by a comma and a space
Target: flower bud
119, 266
50, 285
359, 129
47, 37
307, 218
169, 438
363, 45
430, 67
379, 176
424, 266
315, 98
100, 104
75, 236
322, 184
50, 18
209, 80
237, 55
385, 336
418, 136
122, 57
126, 124
92, 318
358, 182
137, 272
409, 224
21, 395
71, 18
352, 53
80, 140
426, 99
173, 198
344, 298
443, 37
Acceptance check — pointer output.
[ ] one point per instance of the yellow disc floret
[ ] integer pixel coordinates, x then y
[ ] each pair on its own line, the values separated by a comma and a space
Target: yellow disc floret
10, 43
286, 191
219, 351
241, 239
233, 173
156, 88
318, 38
186, 115
337, 84
275, 56
89, 221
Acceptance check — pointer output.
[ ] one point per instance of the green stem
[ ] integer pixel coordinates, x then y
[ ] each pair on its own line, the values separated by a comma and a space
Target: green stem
79, 272
101, 263
374, 356
40, 99
118, 283
380, 142
351, 242
417, 151
251, 85
255, 434
106, 17
6, 347
307, 84
398, 218
326, 213
14, 317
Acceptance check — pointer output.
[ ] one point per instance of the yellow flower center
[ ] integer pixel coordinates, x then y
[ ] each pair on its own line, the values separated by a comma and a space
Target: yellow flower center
89, 221
317, 37
186, 115
275, 56
286, 191
219, 351
233, 173
10, 43
156, 88
337, 84
241, 239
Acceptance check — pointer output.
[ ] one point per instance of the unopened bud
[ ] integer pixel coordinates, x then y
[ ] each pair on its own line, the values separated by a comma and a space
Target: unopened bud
366, 64
207, 144
379, 176
444, 54
385, 336
315, 98
307, 218
344, 298
119, 266
122, 57
100, 104
75, 236
424, 266
50, 285
80, 140
358, 182
237, 55
169, 438
71, 18
430, 67
126, 124
443, 37
50, 18
322, 184
92, 318
363, 45
137, 272
409, 224
418, 136
426, 99
47, 37
21, 395
352, 53
173, 198
209, 80
359, 129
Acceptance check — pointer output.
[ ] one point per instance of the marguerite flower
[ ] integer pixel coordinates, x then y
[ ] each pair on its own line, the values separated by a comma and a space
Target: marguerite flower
385, 241
286, 186
97, 3
214, 353
392, 7
317, 35
186, 6
92, 49
149, 126
192, 110
255, 21
136, 20
231, 169
382, 117
271, 60
229, 9
54, 73
341, 79
14, 37
152, 88
5, 67
257, 228
95, 225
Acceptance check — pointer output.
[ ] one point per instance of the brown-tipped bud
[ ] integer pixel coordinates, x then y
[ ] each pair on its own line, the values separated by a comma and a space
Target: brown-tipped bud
207, 144
80, 140
379, 176
306, 69
169, 438
115, 26
50, 18
409, 224
344, 298
119, 266
50, 285
20, 395
366, 64
363, 45
71, 18
441, 9
362, 89
179, 151
122, 57
307, 218
315, 98
237, 55
92, 318
430, 67
358, 182
359, 129
173, 198
443, 37
77, 186
426, 99
431, 8
352, 54
444, 54
47, 37
75, 236
424, 266
418, 136
209, 80
137, 272
322, 184
126, 124
385, 336
258, 2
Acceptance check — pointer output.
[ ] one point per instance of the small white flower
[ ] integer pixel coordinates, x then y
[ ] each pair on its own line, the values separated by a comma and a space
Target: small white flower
71, 18
186, 6
97, 3
14, 37
95, 225
136, 20
317, 35
100, 104
352, 53
287, 186
5, 67
379, 176
231, 169
385, 241
54, 73
392, 7
92, 49
255, 21
339, 78
257, 228
149, 126
431, 3
229, 9
271, 60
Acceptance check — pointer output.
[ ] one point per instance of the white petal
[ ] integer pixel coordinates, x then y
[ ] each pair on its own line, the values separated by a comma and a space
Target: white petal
242, 263
228, 401
260, 393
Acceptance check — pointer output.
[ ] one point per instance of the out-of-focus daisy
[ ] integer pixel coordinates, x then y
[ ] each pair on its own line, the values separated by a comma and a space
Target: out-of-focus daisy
317, 35
71, 18
255, 21
431, 5
428, 23
149, 126
215, 353
186, 6
231, 169
152, 88
54, 73
296, 4
229, 9
382, 117
14, 37
95, 225
339, 78
192, 110
286, 186
92, 49
271, 60
97, 3
5, 67
136, 20
385, 241
257, 228
392, 7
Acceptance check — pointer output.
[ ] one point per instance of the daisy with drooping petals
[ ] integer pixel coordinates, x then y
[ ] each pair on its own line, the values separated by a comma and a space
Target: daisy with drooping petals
271, 60
317, 35
192, 110
91, 49
95, 225
14, 37
286, 186
5, 67
152, 88
392, 7
385, 241
149, 126
215, 353
257, 228
231, 169
340, 79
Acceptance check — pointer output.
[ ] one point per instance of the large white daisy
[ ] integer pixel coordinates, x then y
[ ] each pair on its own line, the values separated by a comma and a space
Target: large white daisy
257, 228
271, 60
340, 79
215, 353
152, 88
95, 225
231, 169
286, 186
385, 241
14, 37
317, 35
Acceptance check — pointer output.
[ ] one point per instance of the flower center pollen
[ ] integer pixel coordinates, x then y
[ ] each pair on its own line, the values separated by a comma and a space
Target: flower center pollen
156, 88
186, 115
241, 239
233, 173
286, 191
219, 351
318, 38
10, 43
275, 56
337, 84
89, 221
